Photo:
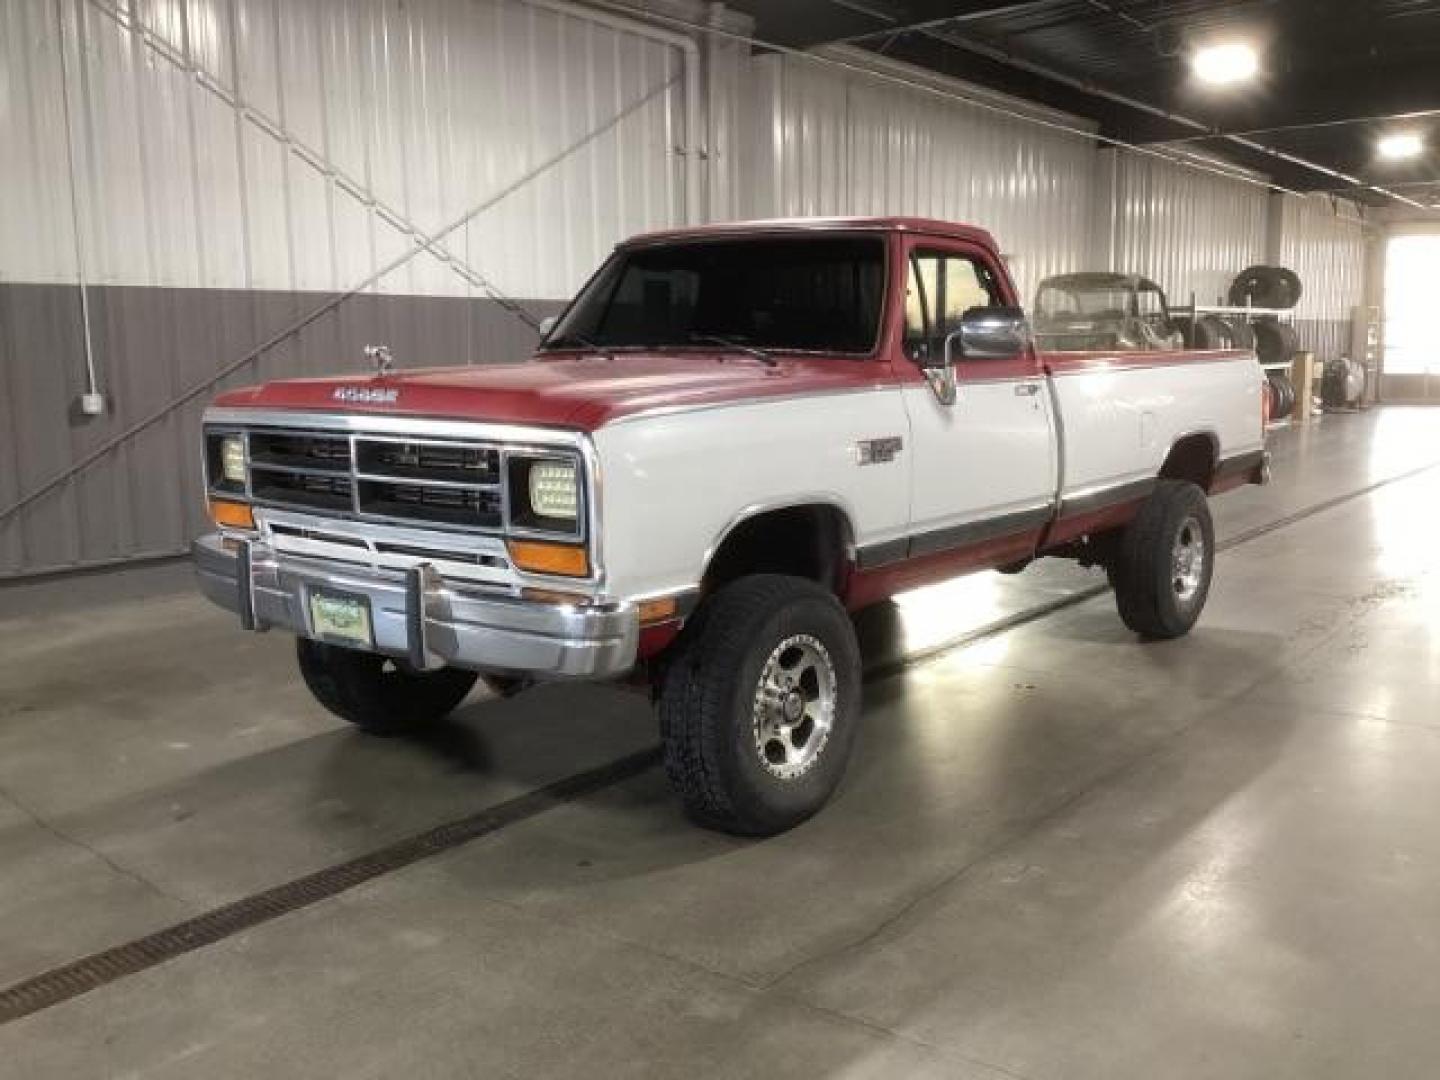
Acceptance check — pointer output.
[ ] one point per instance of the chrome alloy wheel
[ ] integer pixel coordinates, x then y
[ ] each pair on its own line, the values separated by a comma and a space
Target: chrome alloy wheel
1187, 560
794, 708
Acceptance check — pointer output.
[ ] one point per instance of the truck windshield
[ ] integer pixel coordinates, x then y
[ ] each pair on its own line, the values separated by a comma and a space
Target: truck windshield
1055, 303
804, 294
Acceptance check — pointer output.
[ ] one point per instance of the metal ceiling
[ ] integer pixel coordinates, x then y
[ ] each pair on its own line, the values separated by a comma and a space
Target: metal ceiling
1336, 75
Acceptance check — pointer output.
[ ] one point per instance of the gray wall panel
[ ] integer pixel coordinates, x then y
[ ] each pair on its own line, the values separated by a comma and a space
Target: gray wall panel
43, 359
144, 497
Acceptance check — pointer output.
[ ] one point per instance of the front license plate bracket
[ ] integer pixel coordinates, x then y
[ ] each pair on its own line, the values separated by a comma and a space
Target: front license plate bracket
341, 619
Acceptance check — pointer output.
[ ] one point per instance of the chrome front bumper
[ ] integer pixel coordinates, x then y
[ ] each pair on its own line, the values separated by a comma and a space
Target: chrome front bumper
419, 617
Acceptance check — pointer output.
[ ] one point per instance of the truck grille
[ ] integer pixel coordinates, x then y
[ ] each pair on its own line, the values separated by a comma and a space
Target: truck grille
432, 481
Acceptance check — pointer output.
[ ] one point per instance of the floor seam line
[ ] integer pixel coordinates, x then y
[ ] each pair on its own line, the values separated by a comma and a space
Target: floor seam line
751, 986
74, 841
910, 1040
627, 942
1023, 829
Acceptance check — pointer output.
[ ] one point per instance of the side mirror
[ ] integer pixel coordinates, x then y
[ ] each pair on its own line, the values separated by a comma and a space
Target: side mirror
986, 333
547, 324
990, 333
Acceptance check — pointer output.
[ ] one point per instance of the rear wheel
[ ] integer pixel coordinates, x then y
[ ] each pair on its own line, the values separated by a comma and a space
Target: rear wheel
1166, 557
376, 693
760, 707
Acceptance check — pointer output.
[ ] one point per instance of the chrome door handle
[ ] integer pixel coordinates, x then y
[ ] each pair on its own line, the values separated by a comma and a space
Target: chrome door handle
1027, 389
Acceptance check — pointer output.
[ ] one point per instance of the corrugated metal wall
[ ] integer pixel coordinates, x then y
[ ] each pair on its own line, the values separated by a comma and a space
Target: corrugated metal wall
828, 141
359, 120
1324, 241
1189, 230
215, 170
236, 163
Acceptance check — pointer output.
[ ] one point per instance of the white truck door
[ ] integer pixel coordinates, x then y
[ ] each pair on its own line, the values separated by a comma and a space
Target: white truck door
984, 467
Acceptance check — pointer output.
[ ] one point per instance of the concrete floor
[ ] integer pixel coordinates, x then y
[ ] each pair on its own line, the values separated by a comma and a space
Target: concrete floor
1058, 854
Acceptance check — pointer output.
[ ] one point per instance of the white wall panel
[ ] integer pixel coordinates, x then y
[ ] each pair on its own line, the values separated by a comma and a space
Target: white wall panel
36, 224
828, 141
427, 109
1324, 242
1189, 230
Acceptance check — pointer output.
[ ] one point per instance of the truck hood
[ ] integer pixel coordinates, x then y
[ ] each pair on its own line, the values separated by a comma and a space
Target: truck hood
581, 392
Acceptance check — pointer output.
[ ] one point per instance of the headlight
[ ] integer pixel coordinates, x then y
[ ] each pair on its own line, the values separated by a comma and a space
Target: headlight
232, 459
554, 491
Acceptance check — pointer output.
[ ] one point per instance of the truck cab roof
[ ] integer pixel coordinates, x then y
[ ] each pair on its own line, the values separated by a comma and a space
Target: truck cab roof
1095, 280
949, 230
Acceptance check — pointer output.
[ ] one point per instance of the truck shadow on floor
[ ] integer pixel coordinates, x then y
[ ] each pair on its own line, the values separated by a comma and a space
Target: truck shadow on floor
951, 784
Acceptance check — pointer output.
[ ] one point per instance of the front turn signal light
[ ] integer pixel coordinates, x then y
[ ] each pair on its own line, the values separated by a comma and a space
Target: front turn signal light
540, 557
234, 515
662, 609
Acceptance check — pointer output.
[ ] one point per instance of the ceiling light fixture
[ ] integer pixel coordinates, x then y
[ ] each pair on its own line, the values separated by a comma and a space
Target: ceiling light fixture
1401, 146
1225, 64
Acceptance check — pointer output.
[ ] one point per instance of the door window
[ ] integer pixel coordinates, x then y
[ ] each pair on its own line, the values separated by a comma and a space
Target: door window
941, 288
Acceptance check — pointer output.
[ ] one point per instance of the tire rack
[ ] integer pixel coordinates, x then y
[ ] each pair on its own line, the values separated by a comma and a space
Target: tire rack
1287, 315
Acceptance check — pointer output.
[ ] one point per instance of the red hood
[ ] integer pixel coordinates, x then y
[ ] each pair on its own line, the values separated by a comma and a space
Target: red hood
584, 392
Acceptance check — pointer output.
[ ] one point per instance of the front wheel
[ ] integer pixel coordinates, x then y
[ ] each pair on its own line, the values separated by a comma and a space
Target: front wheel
378, 694
759, 710
1166, 557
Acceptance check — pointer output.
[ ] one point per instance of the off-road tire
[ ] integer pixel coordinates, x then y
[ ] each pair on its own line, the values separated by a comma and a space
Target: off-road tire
708, 704
1144, 570
1266, 287
376, 694
1242, 335
1275, 342
1208, 332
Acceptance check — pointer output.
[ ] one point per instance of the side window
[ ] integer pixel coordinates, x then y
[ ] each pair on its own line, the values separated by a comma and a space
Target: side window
941, 288
1150, 308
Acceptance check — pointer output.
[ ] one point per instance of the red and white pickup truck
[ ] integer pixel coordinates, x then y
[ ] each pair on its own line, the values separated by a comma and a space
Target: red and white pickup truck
733, 437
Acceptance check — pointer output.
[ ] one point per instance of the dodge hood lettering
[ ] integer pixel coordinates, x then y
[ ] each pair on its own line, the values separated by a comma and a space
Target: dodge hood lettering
365, 395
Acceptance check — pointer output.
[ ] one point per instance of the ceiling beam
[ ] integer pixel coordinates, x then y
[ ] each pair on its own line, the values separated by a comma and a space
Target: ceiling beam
1317, 97
803, 24
930, 14
1318, 125
806, 24
1120, 113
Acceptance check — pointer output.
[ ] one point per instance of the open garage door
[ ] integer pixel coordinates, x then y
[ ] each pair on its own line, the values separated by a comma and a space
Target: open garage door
1412, 326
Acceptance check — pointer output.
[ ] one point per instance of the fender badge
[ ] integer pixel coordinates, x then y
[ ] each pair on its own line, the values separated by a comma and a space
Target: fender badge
878, 451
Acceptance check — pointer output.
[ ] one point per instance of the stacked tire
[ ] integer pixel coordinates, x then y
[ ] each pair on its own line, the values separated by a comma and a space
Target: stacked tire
1214, 332
1275, 342
1282, 395
1266, 287
1209, 332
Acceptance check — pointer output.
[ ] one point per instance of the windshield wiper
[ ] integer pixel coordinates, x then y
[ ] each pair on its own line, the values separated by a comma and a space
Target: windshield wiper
570, 341
735, 343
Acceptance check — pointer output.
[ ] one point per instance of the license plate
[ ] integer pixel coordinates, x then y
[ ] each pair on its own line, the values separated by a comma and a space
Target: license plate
342, 619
